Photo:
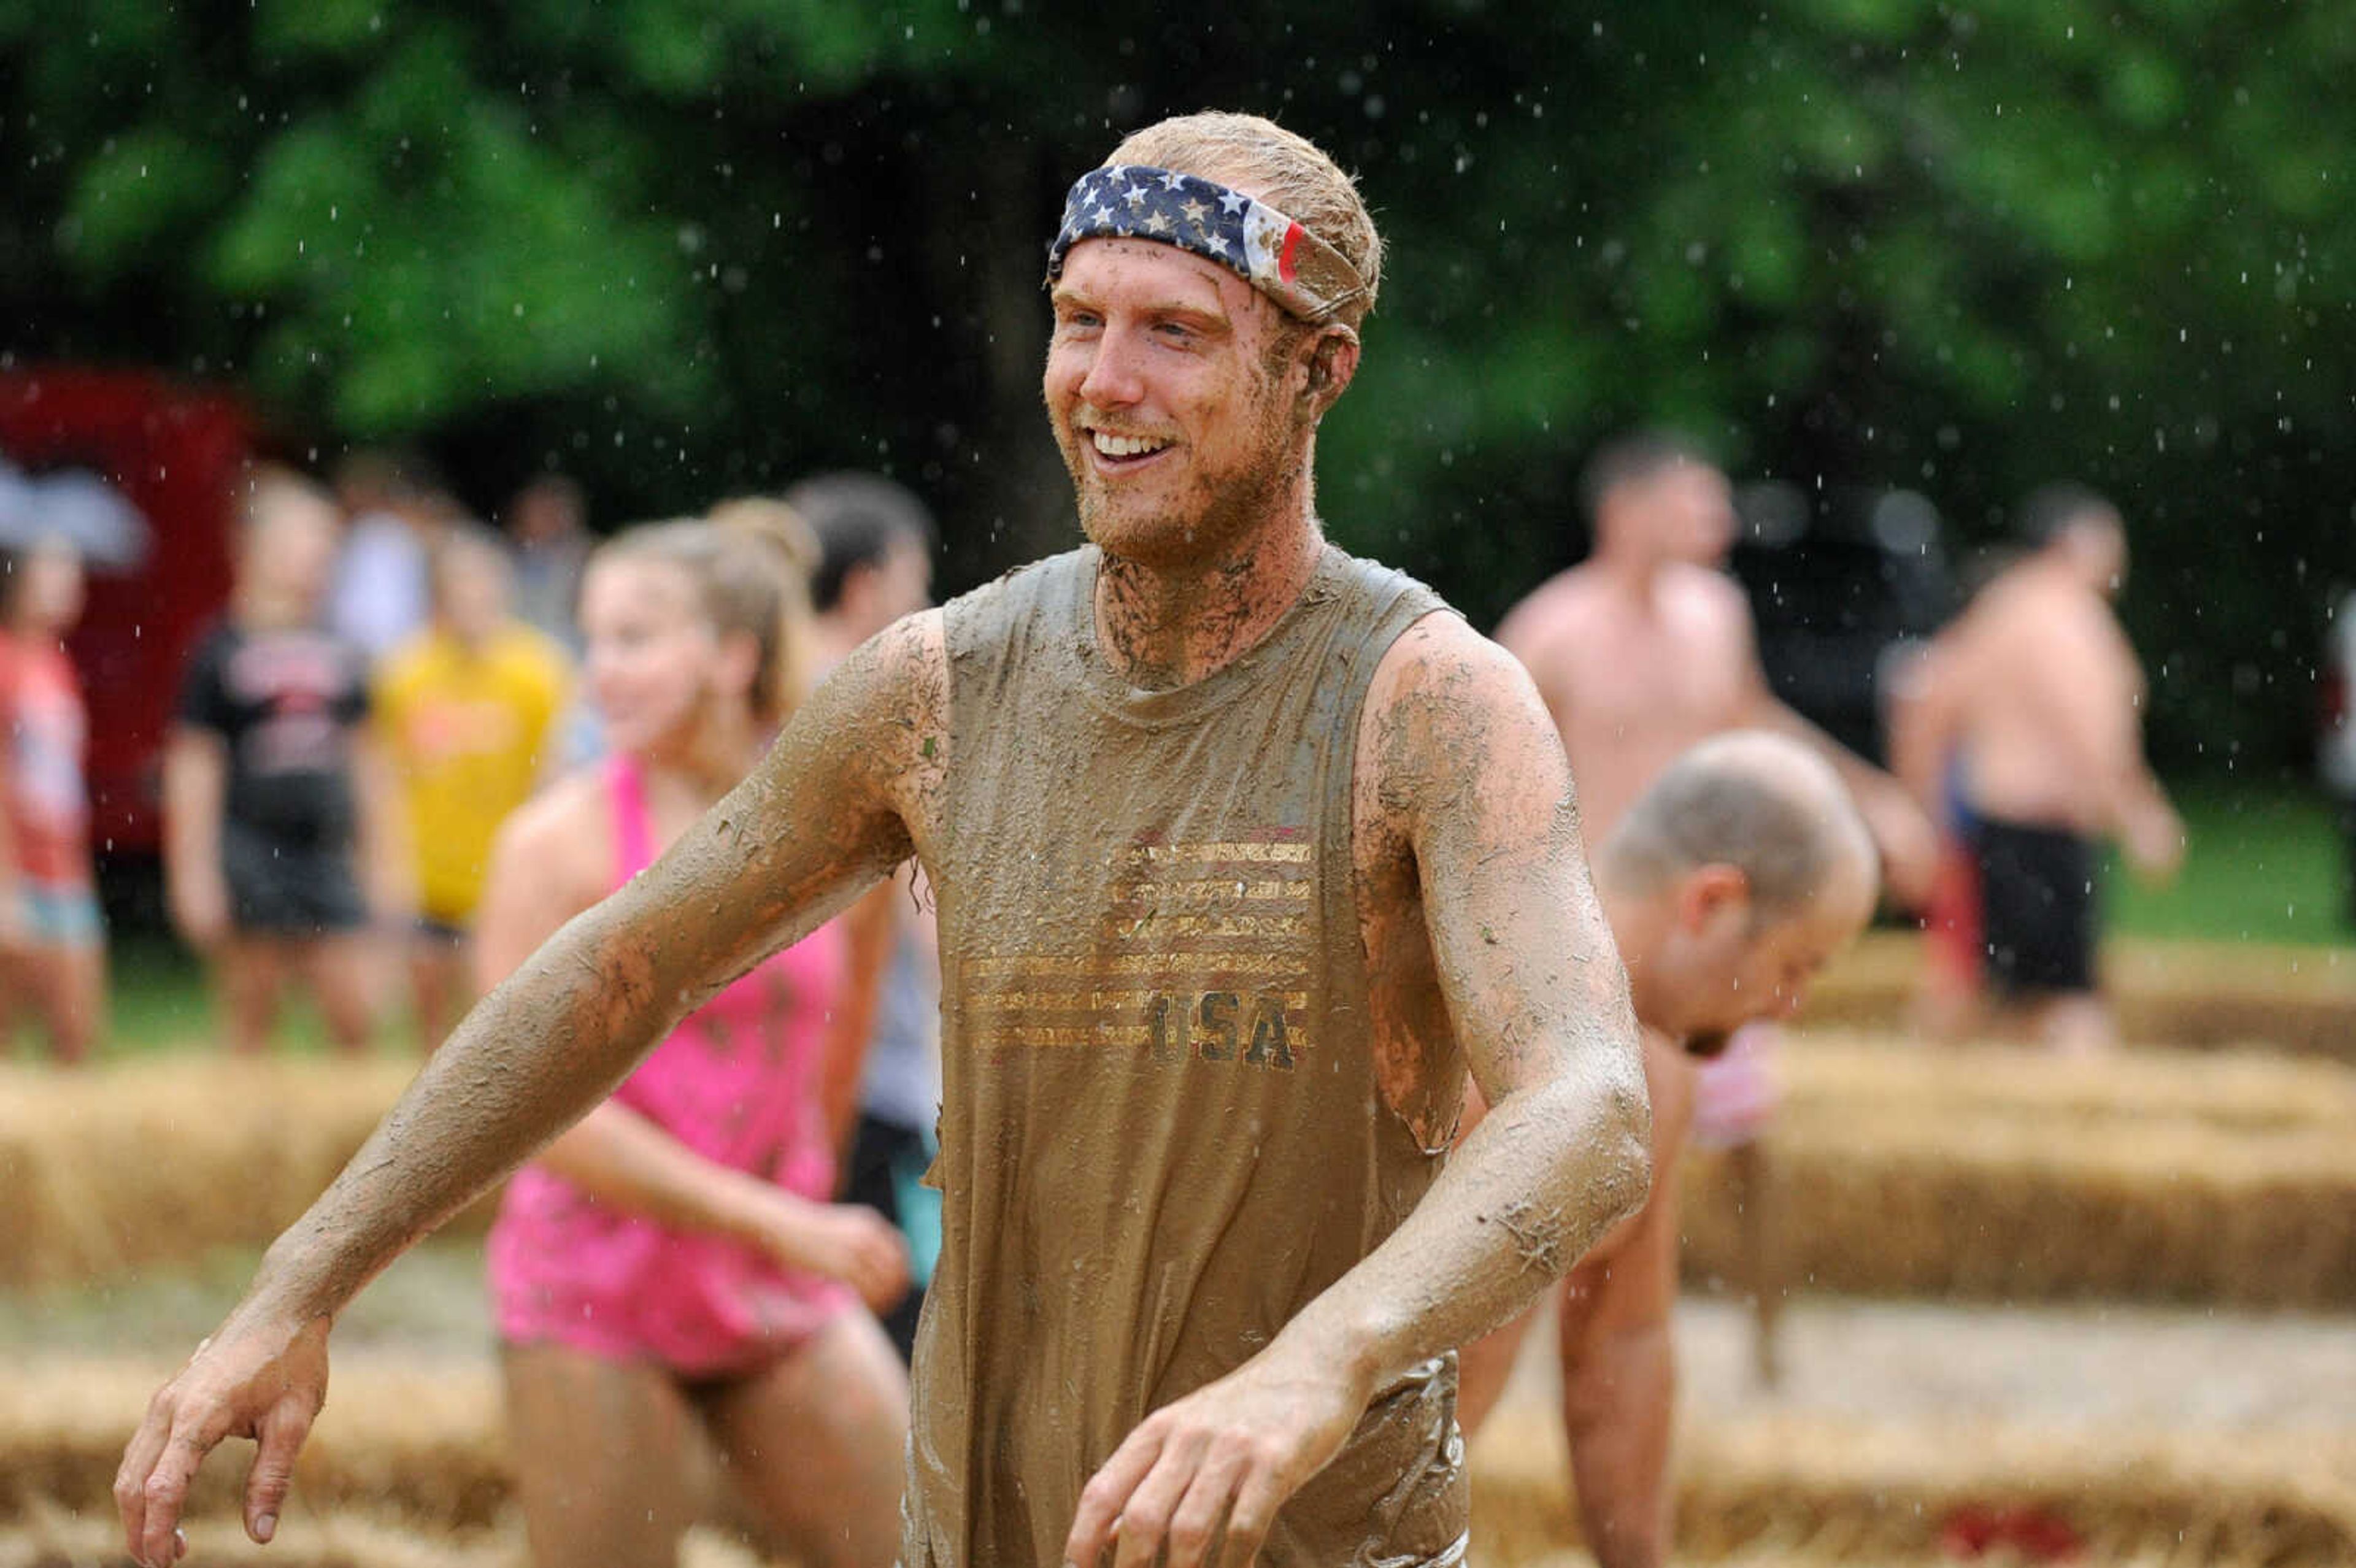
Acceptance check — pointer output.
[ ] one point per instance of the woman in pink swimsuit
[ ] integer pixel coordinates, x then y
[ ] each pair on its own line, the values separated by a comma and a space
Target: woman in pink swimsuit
674, 1260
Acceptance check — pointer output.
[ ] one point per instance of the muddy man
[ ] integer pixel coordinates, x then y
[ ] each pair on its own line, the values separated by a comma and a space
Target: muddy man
1245, 851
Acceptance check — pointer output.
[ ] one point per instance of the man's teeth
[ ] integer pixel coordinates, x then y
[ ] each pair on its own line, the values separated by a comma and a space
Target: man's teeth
1125, 445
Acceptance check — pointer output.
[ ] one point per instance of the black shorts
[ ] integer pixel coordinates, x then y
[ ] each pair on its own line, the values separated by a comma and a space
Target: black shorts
2037, 908
882, 1153
289, 890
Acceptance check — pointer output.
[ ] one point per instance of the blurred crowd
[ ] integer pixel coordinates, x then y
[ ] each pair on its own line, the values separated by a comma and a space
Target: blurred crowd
414, 745
392, 679
369, 740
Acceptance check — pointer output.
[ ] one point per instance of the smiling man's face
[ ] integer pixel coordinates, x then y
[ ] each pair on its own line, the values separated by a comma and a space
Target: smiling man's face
1175, 398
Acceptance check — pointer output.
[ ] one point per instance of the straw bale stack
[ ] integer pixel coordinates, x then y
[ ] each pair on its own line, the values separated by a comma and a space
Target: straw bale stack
160, 1160
408, 1460
1801, 1489
2179, 993
1834, 1070
339, 1539
423, 1440
2004, 1174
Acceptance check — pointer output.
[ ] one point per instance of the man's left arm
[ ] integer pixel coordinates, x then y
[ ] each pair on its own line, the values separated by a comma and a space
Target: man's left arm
1468, 773
1908, 843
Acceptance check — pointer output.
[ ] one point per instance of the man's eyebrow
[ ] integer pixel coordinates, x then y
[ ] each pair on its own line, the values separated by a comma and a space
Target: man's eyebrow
1214, 314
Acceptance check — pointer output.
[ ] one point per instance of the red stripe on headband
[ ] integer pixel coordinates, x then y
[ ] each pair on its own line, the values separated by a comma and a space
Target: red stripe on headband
1288, 265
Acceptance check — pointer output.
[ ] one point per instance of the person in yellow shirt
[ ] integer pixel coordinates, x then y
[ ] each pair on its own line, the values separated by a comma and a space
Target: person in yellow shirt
467, 710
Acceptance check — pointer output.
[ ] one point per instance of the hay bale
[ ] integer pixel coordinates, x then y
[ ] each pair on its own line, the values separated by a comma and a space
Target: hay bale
2012, 1175
408, 1459
338, 1540
2299, 1000
2010, 1213
1847, 1071
421, 1440
329, 1540
158, 1161
1805, 1490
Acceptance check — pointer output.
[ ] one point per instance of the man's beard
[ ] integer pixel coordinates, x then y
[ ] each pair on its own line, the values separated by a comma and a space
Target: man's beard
1199, 526
1212, 513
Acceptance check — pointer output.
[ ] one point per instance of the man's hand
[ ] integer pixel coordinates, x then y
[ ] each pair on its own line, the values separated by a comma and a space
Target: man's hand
2153, 836
1228, 1455
254, 1382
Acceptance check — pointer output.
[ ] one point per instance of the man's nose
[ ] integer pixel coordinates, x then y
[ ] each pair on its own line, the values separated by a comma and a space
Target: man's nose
1114, 378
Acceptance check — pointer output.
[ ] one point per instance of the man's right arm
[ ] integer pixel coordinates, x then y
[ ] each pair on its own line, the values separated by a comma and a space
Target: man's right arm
2096, 689
841, 797
1619, 1360
1619, 1384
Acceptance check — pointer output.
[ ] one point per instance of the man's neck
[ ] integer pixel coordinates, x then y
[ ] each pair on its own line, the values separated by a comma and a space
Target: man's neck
1630, 571
1162, 627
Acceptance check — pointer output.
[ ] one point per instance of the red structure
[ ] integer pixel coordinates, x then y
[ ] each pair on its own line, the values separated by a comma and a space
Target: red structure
176, 453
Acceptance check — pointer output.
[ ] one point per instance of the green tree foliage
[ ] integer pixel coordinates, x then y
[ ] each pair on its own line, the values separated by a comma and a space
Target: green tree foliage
682, 247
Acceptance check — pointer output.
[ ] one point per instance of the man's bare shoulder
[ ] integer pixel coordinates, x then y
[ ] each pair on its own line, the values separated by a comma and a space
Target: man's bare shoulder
2036, 617
1448, 707
1442, 664
891, 696
1539, 614
1707, 593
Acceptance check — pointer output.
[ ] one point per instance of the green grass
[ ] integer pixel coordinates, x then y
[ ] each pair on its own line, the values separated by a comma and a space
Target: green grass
159, 1000
159, 994
2260, 866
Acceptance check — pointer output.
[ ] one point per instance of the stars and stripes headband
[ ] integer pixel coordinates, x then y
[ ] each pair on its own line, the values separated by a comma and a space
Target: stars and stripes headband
1266, 249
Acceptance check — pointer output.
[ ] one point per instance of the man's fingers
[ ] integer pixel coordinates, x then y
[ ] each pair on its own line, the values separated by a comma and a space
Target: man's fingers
138, 1463
165, 1491
281, 1438
1257, 1500
1195, 1525
1142, 1530
1107, 1490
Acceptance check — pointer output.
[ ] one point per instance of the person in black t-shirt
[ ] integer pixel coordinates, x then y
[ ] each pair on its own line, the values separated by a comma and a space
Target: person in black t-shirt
269, 788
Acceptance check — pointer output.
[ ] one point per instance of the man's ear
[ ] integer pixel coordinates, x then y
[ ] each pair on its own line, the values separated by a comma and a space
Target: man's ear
1707, 891
1332, 362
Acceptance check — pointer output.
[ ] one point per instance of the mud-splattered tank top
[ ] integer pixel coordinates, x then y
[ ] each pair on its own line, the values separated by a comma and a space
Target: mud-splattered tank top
1163, 1132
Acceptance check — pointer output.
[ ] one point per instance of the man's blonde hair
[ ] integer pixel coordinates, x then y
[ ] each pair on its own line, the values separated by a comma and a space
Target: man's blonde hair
1289, 172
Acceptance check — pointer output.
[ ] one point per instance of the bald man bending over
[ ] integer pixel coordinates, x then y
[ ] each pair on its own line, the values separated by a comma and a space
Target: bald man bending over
1728, 884
1642, 650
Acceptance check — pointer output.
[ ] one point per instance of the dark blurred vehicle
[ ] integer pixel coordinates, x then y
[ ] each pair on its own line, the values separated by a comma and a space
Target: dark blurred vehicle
1844, 587
173, 454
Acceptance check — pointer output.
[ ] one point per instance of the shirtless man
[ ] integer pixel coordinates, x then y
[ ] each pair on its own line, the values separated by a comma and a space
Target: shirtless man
1641, 651
1647, 646
1729, 883
2028, 711
1244, 851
